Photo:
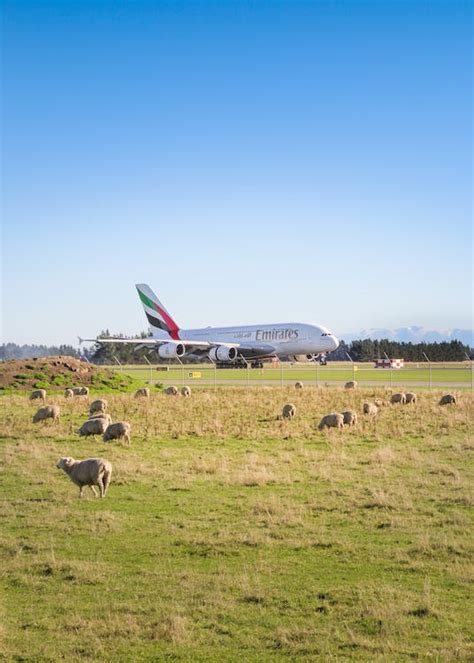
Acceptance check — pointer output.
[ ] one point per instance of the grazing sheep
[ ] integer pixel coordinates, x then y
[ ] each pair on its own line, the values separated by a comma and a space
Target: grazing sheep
102, 415
185, 391
349, 417
289, 411
91, 472
95, 426
68, 393
410, 397
171, 391
100, 405
333, 420
144, 392
370, 408
379, 402
298, 385
47, 412
398, 398
447, 399
38, 394
351, 385
80, 391
117, 431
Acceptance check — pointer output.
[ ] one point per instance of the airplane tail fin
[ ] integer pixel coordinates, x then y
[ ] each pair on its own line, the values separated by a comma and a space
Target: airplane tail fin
157, 315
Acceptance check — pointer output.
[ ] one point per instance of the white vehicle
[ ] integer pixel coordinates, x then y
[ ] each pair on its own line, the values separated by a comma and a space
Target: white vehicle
228, 345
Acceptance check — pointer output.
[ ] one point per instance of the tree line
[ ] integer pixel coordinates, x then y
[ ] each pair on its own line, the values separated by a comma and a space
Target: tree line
360, 350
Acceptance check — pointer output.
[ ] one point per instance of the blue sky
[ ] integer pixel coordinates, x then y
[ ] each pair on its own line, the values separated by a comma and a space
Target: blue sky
252, 161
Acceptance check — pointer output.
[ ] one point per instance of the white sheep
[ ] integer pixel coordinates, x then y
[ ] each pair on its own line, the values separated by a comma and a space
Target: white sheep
47, 412
351, 385
102, 415
298, 385
349, 417
370, 408
185, 391
94, 426
171, 391
333, 420
100, 405
289, 411
91, 472
144, 392
410, 397
38, 394
68, 393
80, 391
117, 431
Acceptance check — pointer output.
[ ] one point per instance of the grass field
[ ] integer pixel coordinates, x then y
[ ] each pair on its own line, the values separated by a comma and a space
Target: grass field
229, 534
340, 372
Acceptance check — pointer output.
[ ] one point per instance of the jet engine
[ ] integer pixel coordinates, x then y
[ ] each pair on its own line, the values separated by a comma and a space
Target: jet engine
303, 358
171, 350
223, 353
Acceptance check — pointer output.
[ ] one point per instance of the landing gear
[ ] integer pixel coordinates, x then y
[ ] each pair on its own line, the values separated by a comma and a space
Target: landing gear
256, 364
322, 360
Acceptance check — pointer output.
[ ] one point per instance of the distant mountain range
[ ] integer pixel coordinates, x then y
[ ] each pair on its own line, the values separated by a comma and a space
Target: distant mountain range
414, 335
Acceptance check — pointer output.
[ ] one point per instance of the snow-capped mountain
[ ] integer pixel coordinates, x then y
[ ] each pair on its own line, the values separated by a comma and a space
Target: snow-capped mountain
414, 335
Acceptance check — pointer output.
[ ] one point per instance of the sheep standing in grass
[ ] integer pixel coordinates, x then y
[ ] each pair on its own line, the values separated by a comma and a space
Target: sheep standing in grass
80, 391
144, 392
68, 393
117, 431
102, 415
398, 398
349, 418
351, 385
38, 394
91, 472
289, 411
448, 399
410, 397
171, 391
378, 402
298, 385
185, 391
100, 405
47, 412
95, 426
370, 409
333, 420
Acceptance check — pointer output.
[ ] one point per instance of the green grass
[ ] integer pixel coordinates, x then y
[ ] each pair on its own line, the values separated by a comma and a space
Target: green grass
229, 534
363, 373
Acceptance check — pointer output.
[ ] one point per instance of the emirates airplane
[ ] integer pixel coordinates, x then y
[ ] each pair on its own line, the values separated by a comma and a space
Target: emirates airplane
228, 345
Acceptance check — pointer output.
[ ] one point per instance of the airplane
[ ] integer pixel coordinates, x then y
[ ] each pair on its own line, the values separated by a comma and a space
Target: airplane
300, 342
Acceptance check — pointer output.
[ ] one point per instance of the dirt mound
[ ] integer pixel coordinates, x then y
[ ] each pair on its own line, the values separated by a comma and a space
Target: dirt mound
57, 373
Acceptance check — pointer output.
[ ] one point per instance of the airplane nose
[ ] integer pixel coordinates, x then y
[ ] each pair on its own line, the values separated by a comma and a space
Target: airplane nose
334, 342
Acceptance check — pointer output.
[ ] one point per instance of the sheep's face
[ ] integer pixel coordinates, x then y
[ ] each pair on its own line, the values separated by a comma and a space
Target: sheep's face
64, 462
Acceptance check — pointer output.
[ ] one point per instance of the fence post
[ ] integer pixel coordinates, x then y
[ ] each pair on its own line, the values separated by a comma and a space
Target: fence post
121, 367
471, 361
429, 365
151, 367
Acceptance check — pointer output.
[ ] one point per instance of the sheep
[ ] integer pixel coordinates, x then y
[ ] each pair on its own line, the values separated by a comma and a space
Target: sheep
100, 405
185, 391
289, 411
91, 472
48, 412
398, 398
298, 385
378, 402
117, 431
144, 392
333, 420
68, 393
410, 397
349, 417
447, 399
351, 385
370, 408
171, 391
80, 391
94, 426
38, 394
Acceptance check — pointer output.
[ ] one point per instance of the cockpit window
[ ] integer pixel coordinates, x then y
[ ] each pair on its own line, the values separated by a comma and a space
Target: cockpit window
326, 334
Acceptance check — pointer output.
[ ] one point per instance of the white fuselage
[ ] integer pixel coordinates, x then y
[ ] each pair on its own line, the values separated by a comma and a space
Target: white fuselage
294, 338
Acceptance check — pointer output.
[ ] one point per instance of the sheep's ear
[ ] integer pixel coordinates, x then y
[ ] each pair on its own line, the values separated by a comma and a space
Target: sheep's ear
68, 461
